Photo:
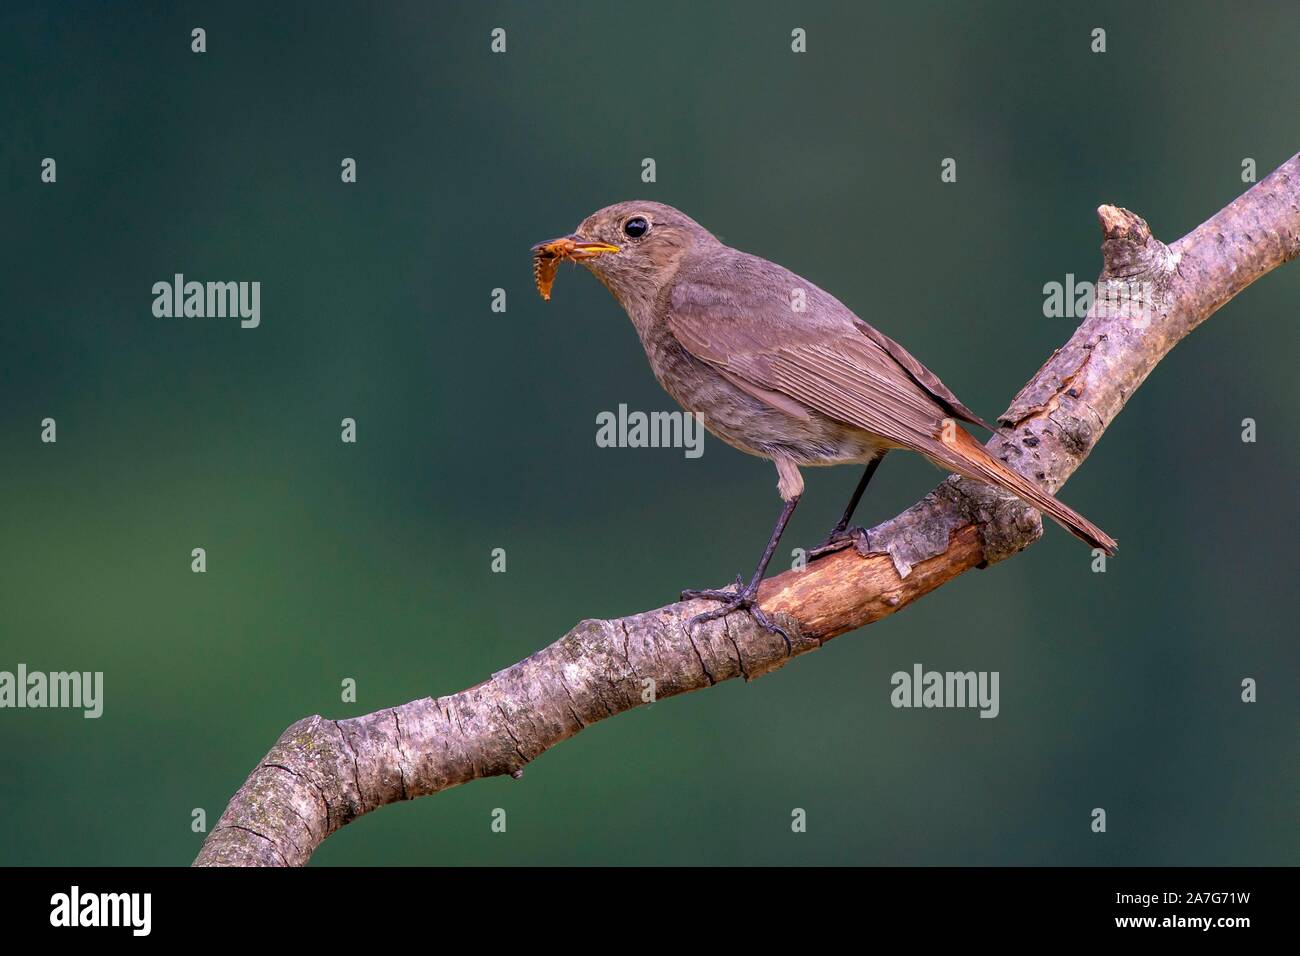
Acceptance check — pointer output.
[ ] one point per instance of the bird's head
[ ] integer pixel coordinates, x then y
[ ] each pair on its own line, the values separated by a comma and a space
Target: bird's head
634, 248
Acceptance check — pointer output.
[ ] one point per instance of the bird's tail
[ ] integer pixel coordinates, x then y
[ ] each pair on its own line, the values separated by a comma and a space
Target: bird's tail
968, 457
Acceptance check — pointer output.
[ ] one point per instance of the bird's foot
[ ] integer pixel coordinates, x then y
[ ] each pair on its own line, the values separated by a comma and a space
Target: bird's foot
739, 597
841, 538
722, 594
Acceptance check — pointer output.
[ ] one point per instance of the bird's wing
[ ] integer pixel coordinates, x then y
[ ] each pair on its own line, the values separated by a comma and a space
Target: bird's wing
923, 376
739, 314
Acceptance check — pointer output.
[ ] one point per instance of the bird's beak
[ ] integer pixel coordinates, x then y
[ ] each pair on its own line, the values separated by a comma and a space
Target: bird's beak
572, 247
547, 257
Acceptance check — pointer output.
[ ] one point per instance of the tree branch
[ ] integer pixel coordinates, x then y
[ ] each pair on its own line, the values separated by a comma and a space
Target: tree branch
322, 774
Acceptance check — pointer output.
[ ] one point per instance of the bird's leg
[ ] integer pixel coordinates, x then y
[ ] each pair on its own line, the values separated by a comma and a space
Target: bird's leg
741, 596
841, 536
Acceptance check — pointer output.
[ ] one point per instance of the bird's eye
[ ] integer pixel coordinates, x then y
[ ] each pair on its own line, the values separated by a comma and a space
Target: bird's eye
636, 227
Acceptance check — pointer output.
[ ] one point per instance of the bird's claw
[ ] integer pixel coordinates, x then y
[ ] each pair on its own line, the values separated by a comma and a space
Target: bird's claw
723, 594
841, 538
737, 598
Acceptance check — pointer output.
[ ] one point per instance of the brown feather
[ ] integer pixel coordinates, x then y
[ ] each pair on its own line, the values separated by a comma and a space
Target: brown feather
971, 459
734, 312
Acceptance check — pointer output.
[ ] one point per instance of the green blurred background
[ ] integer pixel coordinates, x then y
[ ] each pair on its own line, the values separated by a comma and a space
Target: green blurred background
476, 430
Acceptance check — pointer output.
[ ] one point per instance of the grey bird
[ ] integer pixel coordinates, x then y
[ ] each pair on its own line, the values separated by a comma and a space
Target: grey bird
778, 368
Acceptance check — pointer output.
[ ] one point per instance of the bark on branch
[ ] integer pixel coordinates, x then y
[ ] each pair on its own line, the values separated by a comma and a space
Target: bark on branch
322, 774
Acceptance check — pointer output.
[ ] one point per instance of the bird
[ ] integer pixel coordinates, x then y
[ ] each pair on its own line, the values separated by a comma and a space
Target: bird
780, 369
